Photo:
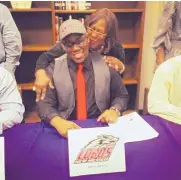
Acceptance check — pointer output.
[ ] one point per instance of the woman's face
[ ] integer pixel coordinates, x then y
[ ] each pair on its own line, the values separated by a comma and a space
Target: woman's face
97, 34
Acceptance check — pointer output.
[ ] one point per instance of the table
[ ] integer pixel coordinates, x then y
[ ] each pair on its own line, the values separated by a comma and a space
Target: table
37, 152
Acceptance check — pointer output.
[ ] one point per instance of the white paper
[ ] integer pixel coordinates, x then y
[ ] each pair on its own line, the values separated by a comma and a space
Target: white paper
105, 151
134, 128
2, 168
1, 128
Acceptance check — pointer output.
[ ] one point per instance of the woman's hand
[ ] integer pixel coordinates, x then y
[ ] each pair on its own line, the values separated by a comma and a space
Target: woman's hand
41, 82
115, 63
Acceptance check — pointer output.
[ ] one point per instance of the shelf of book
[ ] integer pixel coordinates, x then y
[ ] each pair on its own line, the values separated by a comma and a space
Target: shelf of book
35, 48
31, 10
93, 10
29, 86
131, 46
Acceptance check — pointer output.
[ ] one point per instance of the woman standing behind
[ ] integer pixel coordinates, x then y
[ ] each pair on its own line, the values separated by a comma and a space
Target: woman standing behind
102, 29
167, 43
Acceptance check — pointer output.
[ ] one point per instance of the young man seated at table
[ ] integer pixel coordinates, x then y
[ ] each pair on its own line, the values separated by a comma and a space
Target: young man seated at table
85, 87
11, 107
164, 98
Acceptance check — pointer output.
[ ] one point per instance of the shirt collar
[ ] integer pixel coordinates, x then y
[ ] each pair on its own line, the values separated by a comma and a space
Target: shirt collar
87, 64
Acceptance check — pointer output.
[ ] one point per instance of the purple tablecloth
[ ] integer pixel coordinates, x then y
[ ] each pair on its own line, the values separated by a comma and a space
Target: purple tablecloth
38, 152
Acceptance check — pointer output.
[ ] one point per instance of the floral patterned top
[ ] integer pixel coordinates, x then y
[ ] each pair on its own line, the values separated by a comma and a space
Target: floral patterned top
169, 30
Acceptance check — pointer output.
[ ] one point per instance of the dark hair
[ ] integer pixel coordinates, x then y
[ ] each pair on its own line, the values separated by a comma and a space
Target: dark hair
112, 26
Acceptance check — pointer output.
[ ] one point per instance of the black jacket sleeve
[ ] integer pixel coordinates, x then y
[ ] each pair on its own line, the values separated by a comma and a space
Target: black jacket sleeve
48, 57
48, 107
118, 91
117, 51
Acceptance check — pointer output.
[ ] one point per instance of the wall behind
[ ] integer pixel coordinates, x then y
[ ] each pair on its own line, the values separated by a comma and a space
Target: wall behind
152, 14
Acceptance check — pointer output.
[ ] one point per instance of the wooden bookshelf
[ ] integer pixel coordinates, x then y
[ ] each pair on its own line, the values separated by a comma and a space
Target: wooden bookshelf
93, 10
37, 27
131, 46
32, 10
35, 48
29, 86
26, 86
130, 81
46, 47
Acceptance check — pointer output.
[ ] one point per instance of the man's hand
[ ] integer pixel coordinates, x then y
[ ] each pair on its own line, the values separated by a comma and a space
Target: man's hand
115, 63
108, 116
62, 125
41, 83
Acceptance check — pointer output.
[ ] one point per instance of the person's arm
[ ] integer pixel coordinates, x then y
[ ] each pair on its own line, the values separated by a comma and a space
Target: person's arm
48, 57
118, 91
114, 63
158, 97
118, 99
115, 58
11, 107
47, 107
118, 52
48, 110
11, 39
42, 80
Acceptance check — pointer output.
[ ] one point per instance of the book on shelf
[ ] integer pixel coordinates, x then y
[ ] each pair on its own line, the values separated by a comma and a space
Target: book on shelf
58, 22
72, 5
56, 28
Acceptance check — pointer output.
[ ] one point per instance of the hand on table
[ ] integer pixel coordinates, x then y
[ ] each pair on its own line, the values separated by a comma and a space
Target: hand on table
108, 116
62, 125
41, 83
115, 63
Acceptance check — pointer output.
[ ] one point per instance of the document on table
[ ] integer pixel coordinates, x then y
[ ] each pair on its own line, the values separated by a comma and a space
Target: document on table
95, 151
134, 128
2, 168
1, 128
